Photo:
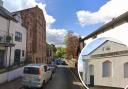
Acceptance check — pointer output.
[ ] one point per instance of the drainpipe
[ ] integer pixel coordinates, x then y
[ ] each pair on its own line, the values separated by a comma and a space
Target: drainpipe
9, 42
9, 50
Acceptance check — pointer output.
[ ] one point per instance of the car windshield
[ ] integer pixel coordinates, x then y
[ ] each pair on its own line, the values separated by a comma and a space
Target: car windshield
31, 70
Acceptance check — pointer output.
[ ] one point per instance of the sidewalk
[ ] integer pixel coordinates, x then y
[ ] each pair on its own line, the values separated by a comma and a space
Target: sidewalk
71, 62
14, 84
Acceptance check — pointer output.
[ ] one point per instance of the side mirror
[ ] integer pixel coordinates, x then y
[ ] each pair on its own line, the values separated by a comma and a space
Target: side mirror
48, 68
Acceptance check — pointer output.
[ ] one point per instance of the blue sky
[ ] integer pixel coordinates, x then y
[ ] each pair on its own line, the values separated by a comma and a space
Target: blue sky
64, 11
80, 16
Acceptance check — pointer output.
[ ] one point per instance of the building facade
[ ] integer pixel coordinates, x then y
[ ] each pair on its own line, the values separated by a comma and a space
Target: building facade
106, 64
12, 39
51, 50
34, 20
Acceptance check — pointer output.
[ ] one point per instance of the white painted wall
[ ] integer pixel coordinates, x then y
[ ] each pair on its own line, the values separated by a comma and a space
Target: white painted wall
14, 26
3, 24
117, 79
8, 76
17, 27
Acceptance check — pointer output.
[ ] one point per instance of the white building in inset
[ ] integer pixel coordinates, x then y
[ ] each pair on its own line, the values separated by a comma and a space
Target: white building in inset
106, 63
12, 39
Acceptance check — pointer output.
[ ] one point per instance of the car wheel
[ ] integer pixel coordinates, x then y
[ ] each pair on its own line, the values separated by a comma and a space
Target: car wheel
51, 77
25, 87
43, 84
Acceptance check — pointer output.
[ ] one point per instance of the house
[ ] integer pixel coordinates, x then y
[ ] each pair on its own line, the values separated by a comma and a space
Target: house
12, 38
51, 50
105, 63
34, 20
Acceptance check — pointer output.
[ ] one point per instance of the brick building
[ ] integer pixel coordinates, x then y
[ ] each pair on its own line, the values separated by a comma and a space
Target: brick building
35, 22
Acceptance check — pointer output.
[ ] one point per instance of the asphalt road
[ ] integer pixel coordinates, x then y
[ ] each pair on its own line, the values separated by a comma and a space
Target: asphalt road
64, 78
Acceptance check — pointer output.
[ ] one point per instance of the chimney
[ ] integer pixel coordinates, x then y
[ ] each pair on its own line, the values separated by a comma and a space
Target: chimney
1, 3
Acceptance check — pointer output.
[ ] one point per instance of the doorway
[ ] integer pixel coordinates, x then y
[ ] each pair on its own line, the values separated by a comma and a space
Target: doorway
91, 71
17, 56
2, 58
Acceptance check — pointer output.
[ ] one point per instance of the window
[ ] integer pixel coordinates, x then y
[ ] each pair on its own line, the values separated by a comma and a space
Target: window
31, 70
126, 70
107, 69
22, 53
18, 36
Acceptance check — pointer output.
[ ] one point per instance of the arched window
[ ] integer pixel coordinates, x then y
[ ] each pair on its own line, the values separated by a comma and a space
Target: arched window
126, 70
91, 69
107, 69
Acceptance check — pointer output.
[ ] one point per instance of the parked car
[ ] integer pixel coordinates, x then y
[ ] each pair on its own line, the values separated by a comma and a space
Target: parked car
53, 68
63, 63
36, 75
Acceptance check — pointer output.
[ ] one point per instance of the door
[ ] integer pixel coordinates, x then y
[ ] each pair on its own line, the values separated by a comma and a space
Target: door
91, 71
17, 56
1, 58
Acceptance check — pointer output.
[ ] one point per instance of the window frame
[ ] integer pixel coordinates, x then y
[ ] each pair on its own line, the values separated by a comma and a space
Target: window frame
125, 73
18, 36
108, 66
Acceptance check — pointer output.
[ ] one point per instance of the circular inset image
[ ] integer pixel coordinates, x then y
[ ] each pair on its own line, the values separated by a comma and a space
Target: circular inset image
103, 64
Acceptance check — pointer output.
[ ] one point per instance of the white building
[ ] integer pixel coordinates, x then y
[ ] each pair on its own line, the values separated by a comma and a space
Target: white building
106, 63
12, 39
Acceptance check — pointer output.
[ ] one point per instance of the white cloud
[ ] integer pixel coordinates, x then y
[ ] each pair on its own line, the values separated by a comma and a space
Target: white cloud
111, 9
54, 36
120, 33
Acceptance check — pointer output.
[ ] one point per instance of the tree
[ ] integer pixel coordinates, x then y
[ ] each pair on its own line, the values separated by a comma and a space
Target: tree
72, 45
60, 52
51, 52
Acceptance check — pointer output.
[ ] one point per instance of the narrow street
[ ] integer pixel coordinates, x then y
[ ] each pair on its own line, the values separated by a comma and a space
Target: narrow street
64, 78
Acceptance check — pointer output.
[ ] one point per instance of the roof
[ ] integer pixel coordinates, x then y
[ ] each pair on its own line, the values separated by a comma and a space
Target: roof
108, 26
97, 43
19, 11
6, 14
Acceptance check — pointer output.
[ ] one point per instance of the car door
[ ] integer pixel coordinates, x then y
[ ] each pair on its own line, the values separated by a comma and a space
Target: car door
49, 72
46, 73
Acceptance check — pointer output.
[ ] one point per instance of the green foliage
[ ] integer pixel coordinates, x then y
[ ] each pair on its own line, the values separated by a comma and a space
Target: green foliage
61, 52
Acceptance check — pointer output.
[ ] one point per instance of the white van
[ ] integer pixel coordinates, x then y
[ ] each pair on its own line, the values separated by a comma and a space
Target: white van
36, 75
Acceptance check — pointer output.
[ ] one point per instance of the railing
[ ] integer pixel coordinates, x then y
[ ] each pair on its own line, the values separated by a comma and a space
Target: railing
5, 37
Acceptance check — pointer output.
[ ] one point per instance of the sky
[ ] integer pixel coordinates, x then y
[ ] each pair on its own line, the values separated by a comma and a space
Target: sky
80, 16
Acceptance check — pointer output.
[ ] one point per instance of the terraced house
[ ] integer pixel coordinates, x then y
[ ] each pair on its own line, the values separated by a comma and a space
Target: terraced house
12, 38
34, 20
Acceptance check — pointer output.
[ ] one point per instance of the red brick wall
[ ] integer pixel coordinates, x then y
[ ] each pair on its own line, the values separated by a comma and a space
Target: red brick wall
34, 20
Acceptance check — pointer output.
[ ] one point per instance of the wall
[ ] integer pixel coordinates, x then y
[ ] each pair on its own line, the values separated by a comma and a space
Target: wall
3, 31
17, 27
117, 79
8, 76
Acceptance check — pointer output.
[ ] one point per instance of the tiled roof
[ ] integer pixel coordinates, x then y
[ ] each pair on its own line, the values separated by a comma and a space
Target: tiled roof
5, 13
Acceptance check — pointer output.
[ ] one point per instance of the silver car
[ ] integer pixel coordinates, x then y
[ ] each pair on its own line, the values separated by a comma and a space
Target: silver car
36, 75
